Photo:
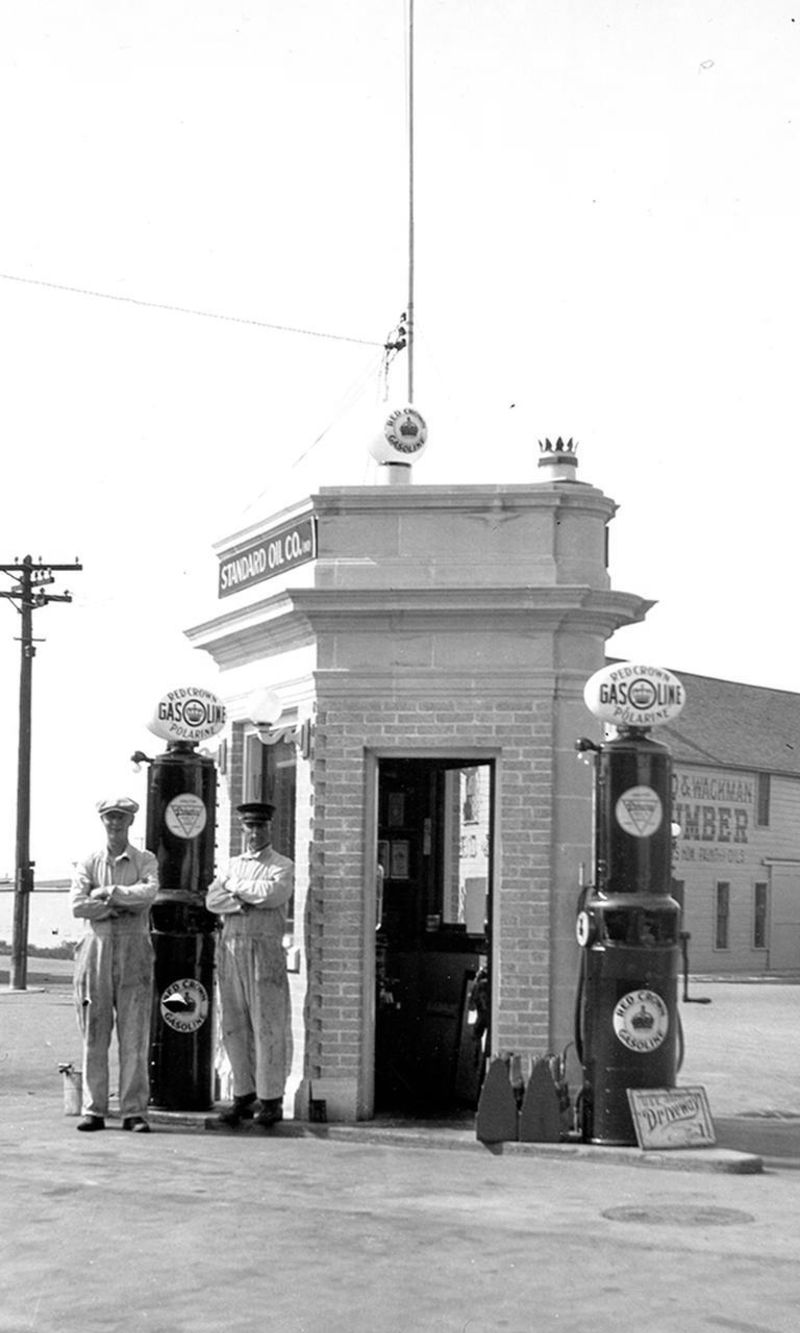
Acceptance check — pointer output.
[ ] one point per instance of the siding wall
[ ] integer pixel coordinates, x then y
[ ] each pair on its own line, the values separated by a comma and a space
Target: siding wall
721, 842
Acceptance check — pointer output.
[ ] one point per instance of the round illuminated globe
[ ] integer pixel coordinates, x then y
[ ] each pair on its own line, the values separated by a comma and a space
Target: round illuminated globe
629, 694
264, 707
189, 713
402, 439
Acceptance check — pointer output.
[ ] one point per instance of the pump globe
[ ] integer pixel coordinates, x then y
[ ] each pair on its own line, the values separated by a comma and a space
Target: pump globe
402, 438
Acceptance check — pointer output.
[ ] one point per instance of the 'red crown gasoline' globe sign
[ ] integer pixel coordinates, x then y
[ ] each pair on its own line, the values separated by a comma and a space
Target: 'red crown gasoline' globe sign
188, 714
630, 695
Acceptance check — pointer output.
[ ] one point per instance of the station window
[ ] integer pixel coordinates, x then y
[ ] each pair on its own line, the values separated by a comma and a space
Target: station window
723, 909
762, 800
760, 907
270, 774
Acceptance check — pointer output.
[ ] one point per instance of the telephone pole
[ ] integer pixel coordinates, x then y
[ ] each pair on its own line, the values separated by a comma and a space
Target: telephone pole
28, 595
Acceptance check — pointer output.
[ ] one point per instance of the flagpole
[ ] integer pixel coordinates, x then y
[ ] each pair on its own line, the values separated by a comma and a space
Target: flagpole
410, 312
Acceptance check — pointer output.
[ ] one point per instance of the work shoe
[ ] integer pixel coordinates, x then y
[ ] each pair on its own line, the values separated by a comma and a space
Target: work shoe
243, 1108
137, 1123
271, 1112
88, 1123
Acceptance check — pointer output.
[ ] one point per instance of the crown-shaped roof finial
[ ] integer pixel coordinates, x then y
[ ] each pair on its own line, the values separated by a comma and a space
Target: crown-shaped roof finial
558, 461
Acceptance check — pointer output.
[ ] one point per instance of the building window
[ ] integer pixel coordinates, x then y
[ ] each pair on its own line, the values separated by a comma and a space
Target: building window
271, 775
762, 800
760, 903
723, 908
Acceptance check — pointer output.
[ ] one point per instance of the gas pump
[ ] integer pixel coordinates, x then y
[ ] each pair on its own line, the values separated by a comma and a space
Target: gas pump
181, 810
628, 922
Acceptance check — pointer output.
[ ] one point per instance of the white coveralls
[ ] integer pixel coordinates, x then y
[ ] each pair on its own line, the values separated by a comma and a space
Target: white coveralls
251, 970
114, 973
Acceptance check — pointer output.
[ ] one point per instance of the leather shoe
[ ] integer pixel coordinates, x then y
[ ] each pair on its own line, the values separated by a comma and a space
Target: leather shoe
137, 1123
243, 1108
271, 1112
88, 1123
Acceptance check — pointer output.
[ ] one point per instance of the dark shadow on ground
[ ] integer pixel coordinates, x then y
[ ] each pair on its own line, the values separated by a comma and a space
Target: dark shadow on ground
768, 1136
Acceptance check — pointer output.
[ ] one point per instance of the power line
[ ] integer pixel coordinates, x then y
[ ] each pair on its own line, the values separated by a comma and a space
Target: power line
348, 400
187, 310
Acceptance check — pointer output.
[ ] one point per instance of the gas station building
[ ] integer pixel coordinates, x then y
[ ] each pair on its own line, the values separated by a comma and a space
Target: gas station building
403, 667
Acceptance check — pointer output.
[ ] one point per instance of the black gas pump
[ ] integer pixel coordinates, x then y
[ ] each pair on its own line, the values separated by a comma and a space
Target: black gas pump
181, 821
628, 922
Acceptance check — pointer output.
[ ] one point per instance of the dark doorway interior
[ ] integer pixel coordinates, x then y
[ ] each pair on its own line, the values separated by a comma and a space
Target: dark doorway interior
432, 944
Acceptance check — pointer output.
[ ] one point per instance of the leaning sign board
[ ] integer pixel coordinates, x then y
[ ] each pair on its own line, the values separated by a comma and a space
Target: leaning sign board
272, 553
671, 1117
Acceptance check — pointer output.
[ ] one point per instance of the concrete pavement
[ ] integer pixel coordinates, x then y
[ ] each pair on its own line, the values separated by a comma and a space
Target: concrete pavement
184, 1231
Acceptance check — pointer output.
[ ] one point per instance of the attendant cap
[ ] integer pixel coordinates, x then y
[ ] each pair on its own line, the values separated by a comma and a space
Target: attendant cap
123, 803
255, 812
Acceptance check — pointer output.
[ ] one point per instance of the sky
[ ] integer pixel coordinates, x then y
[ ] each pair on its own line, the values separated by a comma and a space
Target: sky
606, 224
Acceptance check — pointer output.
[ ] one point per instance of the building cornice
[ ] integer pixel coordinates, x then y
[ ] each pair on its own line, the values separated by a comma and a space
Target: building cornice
489, 503
296, 618
484, 500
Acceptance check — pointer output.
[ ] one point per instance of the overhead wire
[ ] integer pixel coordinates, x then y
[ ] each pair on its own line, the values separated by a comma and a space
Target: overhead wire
188, 310
376, 368
348, 400
370, 371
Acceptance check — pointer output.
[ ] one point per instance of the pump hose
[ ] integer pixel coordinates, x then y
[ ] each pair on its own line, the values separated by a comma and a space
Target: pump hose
681, 1041
579, 989
579, 1006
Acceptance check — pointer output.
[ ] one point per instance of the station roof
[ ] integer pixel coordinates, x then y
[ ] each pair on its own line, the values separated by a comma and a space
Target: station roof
736, 726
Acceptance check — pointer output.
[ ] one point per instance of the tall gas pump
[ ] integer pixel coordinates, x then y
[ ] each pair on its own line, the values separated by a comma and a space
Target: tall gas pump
628, 922
181, 823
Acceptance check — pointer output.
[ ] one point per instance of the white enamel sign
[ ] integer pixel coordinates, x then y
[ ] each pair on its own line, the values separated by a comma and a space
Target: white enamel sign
186, 816
184, 1005
639, 811
641, 1021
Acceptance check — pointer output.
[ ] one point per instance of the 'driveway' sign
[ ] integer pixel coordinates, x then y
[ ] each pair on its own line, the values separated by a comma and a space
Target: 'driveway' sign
631, 695
272, 553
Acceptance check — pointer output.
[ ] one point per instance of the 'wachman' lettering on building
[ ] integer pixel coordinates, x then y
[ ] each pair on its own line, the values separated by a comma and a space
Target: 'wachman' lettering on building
273, 553
705, 787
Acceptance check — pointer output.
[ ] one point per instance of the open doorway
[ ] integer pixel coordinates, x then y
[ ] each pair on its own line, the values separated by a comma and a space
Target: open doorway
432, 938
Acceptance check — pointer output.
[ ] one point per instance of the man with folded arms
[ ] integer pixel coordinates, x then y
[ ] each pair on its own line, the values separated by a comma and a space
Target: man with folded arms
251, 898
112, 891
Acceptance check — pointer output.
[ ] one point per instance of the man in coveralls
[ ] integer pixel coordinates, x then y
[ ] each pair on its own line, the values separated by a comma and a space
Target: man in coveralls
112, 890
251, 898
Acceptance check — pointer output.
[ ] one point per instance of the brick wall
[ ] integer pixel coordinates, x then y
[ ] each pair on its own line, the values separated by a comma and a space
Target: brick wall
435, 619
520, 736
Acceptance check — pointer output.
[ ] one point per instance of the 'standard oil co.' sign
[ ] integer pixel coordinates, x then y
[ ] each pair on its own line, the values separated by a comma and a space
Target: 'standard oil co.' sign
272, 553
